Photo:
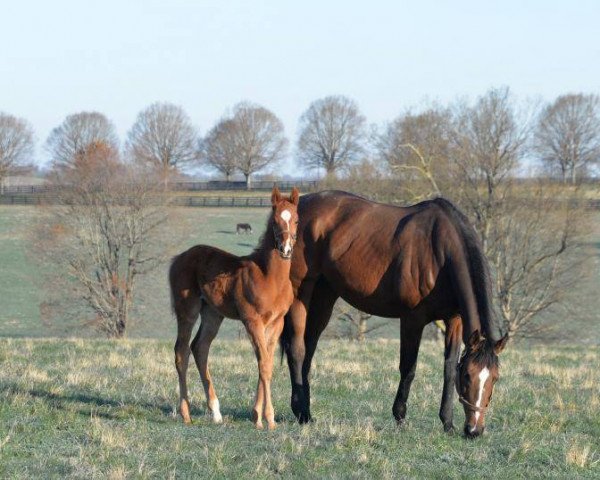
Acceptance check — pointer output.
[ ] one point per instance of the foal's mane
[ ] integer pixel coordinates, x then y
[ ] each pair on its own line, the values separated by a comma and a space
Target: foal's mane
265, 242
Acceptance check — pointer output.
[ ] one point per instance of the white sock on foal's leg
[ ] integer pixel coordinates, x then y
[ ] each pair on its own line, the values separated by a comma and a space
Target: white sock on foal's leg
216, 411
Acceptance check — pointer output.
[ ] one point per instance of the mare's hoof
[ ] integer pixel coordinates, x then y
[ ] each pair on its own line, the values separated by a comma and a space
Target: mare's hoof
449, 428
305, 418
258, 425
272, 426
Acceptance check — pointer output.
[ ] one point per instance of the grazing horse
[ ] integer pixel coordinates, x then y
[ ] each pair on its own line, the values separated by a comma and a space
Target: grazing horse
255, 289
421, 263
243, 228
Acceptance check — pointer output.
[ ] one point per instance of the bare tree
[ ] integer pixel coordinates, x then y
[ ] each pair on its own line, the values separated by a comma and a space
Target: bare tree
488, 141
16, 143
109, 217
567, 137
258, 138
218, 148
76, 133
163, 137
332, 134
416, 147
353, 324
536, 248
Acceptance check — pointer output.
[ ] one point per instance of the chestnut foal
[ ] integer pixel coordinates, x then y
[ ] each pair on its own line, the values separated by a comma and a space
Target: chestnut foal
255, 289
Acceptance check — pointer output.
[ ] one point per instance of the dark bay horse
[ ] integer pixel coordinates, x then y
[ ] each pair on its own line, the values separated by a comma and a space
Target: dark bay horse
421, 263
255, 289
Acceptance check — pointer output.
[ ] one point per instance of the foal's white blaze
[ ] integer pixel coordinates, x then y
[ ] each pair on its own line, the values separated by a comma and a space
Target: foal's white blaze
286, 216
483, 376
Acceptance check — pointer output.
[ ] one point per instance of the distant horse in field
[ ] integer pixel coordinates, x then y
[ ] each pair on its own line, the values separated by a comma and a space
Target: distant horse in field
421, 263
255, 289
243, 228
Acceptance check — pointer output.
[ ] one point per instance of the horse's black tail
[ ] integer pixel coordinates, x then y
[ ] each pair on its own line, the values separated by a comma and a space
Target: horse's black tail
479, 270
285, 339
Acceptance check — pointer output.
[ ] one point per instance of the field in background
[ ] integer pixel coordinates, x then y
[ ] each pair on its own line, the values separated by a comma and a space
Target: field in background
64, 412
27, 291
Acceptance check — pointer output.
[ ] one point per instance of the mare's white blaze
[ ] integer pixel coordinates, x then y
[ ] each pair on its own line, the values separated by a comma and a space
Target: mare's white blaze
286, 216
483, 376
216, 411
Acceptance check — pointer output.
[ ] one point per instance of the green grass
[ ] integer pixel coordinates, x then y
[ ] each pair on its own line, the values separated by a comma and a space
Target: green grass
26, 281
102, 409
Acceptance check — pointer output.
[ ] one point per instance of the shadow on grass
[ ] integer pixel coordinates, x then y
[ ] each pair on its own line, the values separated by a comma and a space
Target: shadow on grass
250, 245
226, 232
87, 404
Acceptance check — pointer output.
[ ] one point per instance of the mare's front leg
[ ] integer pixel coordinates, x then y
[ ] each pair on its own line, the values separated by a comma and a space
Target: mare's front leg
451, 352
209, 327
410, 340
307, 318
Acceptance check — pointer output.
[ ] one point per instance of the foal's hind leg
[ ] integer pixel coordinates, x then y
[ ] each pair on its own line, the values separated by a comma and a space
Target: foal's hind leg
209, 327
187, 313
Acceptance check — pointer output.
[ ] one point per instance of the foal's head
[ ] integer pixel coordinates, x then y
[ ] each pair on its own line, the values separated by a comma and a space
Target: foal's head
285, 221
476, 376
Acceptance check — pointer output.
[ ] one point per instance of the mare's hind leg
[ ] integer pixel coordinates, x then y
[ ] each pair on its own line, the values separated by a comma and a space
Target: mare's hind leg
451, 352
410, 340
209, 327
186, 311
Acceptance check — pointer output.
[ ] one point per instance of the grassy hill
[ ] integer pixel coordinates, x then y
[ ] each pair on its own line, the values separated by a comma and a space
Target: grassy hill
102, 409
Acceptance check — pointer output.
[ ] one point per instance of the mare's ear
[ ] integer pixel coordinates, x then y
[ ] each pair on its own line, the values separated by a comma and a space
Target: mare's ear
500, 344
295, 196
275, 196
475, 340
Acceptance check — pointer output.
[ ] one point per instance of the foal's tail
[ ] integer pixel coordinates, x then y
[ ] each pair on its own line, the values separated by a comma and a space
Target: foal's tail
172, 276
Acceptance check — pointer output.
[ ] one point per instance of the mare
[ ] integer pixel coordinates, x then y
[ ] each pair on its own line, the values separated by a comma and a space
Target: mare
255, 289
420, 264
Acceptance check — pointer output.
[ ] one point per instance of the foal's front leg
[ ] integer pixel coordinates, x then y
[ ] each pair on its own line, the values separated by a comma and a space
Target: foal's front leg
264, 346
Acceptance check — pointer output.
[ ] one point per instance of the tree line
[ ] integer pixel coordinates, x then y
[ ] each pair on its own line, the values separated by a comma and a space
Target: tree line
334, 137
534, 235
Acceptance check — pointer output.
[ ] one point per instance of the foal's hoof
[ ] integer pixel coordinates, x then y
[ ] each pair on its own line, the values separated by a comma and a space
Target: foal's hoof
272, 426
258, 425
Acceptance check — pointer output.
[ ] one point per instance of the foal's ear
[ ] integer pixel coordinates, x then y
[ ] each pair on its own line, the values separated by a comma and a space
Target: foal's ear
295, 196
275, 196
475, 340
500, 344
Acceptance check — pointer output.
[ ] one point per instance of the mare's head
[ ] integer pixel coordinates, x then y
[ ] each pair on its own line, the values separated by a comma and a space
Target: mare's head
478, 371
285, 221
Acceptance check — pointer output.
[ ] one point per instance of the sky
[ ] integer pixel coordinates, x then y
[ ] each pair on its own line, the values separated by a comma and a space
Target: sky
117, 57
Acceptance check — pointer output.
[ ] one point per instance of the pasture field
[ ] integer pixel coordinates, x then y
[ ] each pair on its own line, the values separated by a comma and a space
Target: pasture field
106, 409
28, 294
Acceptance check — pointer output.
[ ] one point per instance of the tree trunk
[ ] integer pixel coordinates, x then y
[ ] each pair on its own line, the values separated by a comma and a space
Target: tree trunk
248, 181
362, 327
